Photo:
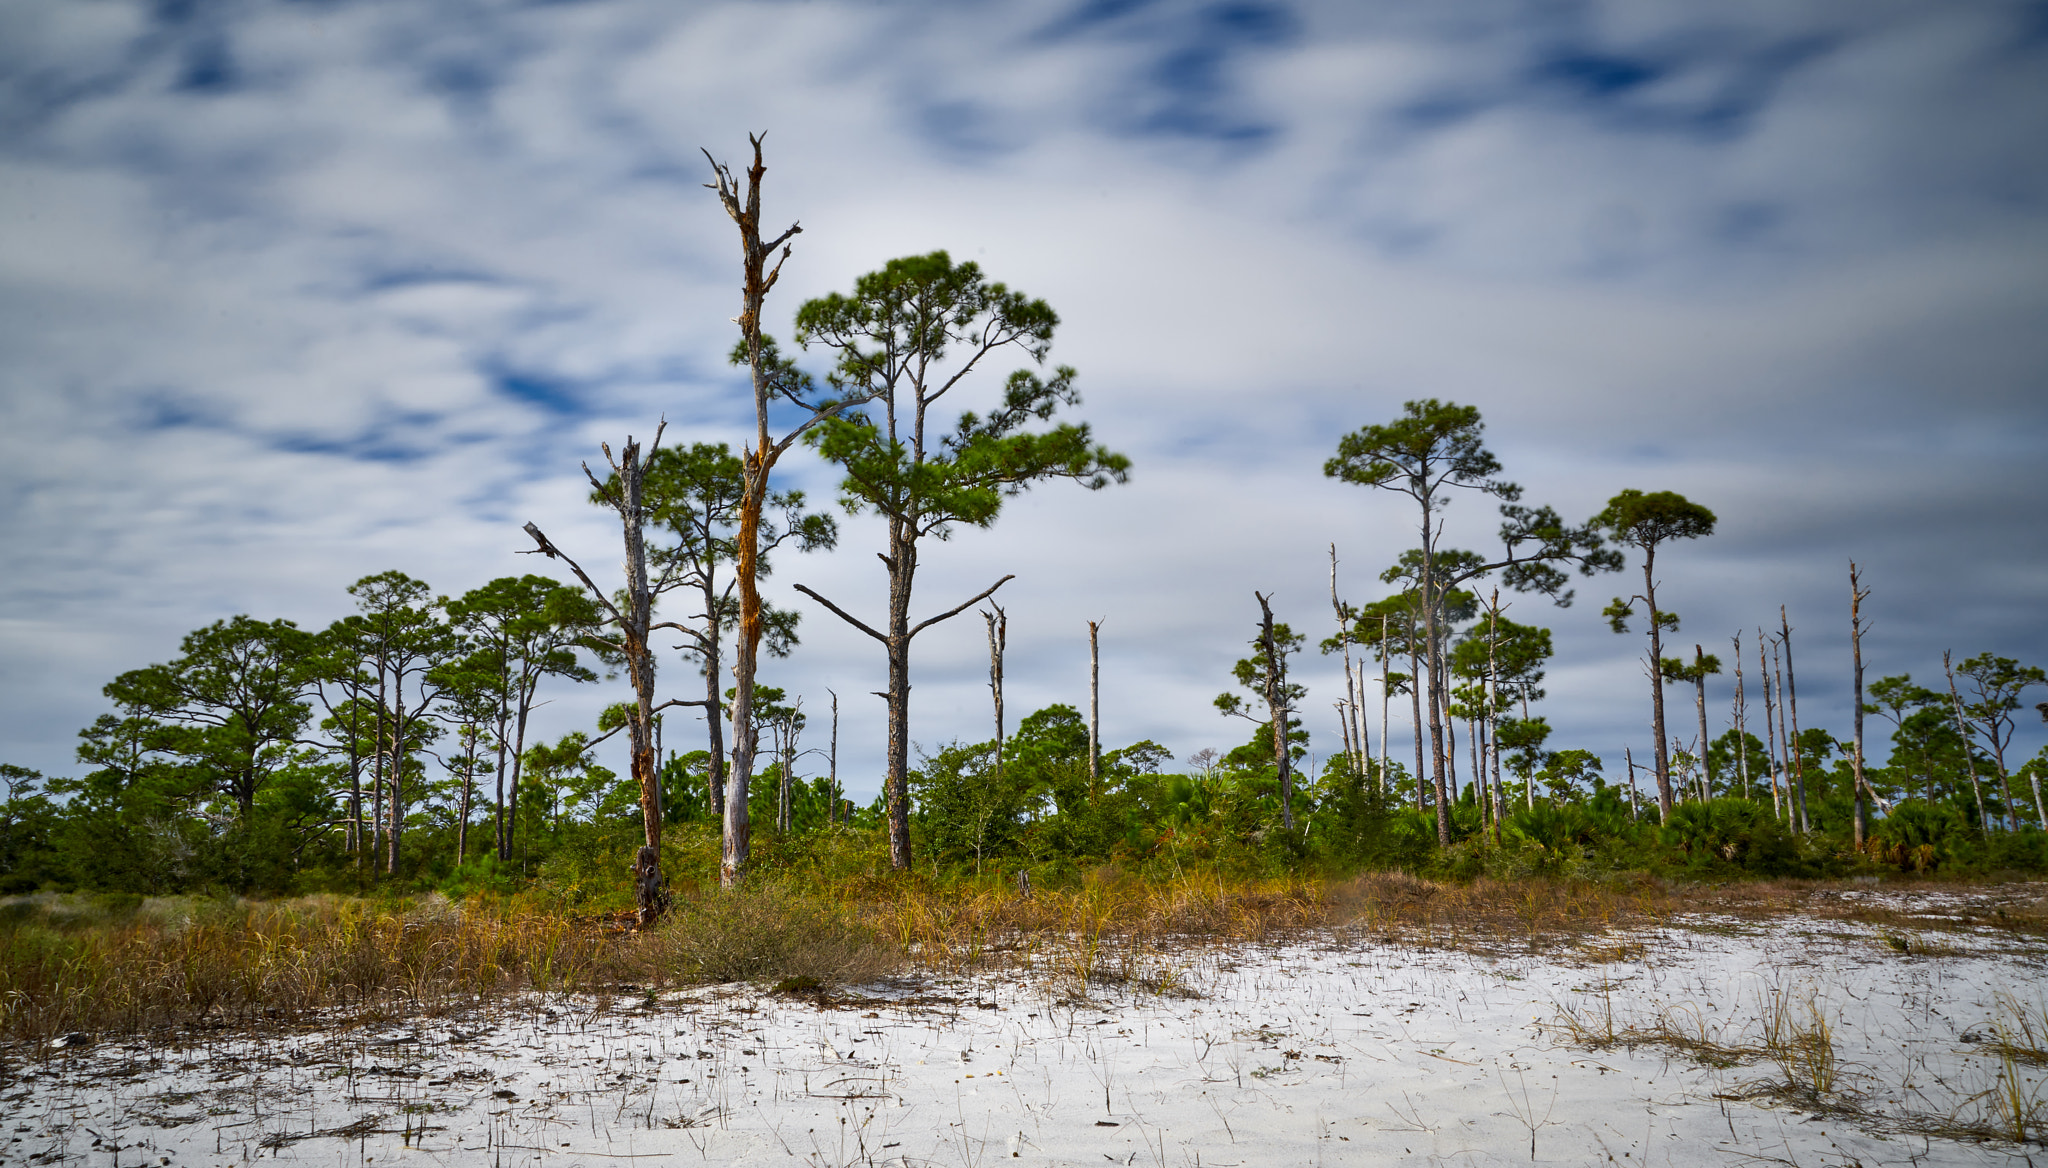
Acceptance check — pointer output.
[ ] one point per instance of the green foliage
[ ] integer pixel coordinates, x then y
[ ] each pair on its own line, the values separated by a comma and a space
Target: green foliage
1722, 835
967, 807
892, 337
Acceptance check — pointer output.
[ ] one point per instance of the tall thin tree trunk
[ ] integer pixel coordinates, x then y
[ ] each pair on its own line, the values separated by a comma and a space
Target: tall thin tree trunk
1386, 696
1095, 713
378, 770
832, 761
902, 563
462, 819
518, 765
1276, 706
1740, 715
1357, 747
714, 719
1493, 707
1792, 706
1663, 757
1628, 755
1856, 597
1699, 666
1774, 713
398, 757
1969, 755
998, 641
1415, 701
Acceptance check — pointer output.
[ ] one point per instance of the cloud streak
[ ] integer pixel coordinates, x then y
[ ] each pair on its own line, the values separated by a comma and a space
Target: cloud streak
297, 293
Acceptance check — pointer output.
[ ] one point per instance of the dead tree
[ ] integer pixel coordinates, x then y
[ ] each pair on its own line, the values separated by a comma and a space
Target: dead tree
632, 616
1094, 713
773, 379
998, 642
1857, 626
1798, 777
1739, 714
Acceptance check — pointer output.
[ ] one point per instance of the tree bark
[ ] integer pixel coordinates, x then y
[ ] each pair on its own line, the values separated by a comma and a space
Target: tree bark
1415, 716
1385, 697
1095, 711
714, 704
1699, 665
1740, 715
1792, 706
1856, 596
1663, 758
998, 641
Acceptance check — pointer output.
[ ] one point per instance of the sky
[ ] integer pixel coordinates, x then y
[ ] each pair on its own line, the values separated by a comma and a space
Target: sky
292, 293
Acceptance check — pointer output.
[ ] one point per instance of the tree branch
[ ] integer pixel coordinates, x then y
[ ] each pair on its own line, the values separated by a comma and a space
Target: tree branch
554, 553
977, 598
842, 614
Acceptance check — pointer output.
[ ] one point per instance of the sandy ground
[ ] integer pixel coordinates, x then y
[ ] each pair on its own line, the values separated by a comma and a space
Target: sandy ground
1346, 1049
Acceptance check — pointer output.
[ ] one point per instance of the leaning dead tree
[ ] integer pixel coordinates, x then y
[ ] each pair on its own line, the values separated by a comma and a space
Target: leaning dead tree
632, 616
998, 642
774, 379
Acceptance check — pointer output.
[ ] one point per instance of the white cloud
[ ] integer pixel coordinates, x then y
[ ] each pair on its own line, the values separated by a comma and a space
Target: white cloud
256, 332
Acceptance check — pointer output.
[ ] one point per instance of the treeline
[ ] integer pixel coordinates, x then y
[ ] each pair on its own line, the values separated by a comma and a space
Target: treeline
393, 744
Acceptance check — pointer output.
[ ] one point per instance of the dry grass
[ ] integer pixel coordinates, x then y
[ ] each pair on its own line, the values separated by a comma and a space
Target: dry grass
1108, 930
77, 965
246, 963
763, 934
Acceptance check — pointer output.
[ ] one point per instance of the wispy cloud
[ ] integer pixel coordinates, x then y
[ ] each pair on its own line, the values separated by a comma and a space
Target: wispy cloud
292, 293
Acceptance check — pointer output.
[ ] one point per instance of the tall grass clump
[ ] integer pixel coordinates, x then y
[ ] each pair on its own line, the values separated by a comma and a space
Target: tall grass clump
765, 932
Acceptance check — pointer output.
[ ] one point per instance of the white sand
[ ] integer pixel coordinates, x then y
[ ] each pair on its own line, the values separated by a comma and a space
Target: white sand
1348, 1051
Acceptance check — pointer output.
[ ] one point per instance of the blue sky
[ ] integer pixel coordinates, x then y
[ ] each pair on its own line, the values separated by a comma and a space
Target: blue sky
292, 293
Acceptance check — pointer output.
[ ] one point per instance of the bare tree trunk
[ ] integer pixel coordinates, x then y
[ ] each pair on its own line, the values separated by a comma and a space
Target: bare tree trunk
1386, 696
1774, 713
1358, 747
378, 770
462, 819
1415, 713
1699, 665
832, 760
518, 768
504, 724
1856, 625
1492, 707
714, 718
786, 792
1628, 755
1276, 705
1969, 755
1792, 705
1450, 741
1740, 715
633, 614
757, 461
902, 562
1095, 711
998, 641
395, 807
1657, 684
